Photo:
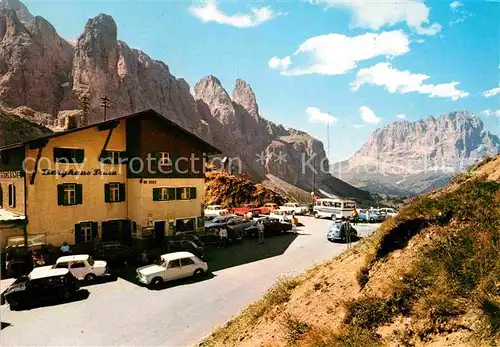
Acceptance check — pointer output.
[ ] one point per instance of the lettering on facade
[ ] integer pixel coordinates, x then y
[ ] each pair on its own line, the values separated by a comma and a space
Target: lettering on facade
64, 173
148, 182
10, 174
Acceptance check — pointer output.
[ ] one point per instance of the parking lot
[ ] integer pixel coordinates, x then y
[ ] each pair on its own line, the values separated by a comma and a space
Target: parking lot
120, 312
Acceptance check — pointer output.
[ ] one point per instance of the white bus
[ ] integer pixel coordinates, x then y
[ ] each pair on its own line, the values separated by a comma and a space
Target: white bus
333, 208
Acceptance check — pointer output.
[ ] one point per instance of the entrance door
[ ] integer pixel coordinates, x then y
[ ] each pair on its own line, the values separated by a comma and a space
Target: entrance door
111, 230
159, 231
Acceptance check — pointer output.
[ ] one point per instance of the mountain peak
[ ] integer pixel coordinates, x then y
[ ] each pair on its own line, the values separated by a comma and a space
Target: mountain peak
17, 6
244, 96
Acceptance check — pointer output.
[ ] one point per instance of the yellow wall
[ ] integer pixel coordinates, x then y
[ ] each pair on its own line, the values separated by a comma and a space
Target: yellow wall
58, 222
19, 183
7, 231
143, 205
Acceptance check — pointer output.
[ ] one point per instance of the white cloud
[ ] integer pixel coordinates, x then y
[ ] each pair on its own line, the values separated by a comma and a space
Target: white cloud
358, 126
491, 92
489, 112
456, 4
419, 40
316, 116
368, 116
372, 14
208, 12
401, 116
335, 54
397, 81
280, 64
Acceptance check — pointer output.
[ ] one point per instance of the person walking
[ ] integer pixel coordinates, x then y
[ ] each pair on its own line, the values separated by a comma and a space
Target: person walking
260, 230
355, 216
294, 223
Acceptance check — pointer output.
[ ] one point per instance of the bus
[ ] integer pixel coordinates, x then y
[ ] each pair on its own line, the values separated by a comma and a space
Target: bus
333, 208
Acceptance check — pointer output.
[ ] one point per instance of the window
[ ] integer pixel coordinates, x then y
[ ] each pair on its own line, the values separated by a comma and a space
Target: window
173, 264
337, 204
62, 266
163, 194
114, 192
69, 194
86, 231
133, 230
186, 224
186, 193
78, 265
5, 158
12, 195
164, 158
187, 262
349, 205
112, 157
69, 155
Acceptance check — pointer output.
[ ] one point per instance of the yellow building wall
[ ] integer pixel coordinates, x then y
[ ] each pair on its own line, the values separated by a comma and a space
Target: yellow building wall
142, 206
19, 184
7, 231
58, 222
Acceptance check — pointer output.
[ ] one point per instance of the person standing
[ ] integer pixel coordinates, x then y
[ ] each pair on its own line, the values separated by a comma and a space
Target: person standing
355, 216
260, 230
294, 223
223, 237
65, 248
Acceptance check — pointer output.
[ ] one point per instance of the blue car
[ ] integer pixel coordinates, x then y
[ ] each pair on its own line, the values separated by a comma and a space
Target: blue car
367, 216
338, 232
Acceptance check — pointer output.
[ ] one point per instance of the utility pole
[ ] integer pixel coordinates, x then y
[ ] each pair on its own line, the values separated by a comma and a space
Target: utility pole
105, 105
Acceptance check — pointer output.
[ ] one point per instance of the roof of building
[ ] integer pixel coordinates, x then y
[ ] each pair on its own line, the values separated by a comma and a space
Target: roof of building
210, 148
176, 255
76, 257
46, 271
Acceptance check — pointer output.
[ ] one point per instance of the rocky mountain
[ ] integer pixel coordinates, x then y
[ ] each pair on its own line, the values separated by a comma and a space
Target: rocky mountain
405, 157
43, 77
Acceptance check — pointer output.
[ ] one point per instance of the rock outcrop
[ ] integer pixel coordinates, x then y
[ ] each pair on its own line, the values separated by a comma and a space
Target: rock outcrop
413, 157
53, 81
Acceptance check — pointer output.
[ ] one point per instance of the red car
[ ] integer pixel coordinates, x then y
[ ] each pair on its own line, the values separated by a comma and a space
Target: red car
245, 208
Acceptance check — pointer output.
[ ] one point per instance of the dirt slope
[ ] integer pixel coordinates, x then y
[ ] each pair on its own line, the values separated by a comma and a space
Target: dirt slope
429, 277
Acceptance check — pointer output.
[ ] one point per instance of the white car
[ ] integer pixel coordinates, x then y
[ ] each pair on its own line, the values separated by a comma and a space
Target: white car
82, 266
390, 212
284, 215
173, 266
215, 211
294, 207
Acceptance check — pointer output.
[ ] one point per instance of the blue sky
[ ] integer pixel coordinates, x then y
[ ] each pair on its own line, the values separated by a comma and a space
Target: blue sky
371, 59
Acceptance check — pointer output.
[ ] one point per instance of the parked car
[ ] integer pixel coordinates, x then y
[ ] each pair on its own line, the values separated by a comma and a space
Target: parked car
41, 284
283, 215
116, 254
213, 211
268, 208
338, 232
83, 267
234, 233
272, 226
238, 226
390, 212
368, 217
245, 208
294, 207
180, 245
172, 266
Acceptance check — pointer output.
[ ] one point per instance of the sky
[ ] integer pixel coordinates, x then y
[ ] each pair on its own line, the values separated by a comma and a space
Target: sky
355, 65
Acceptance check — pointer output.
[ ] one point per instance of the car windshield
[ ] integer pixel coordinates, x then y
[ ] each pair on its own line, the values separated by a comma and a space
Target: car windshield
91, 261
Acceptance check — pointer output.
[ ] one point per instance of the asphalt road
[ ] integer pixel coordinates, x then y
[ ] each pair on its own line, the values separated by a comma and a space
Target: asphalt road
122, 313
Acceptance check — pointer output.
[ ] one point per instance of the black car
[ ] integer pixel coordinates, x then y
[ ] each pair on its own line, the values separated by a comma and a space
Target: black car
184, 245
235, 225
272, 226
41, 284
116, 254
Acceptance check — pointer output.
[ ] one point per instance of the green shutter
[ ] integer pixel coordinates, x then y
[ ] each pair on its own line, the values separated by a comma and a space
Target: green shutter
107, 195
13, 196
192, 193
57, 154
78, 194
79, 155
178, 193
1, 196
171, 193
94, 230
123, 158
156, 194
122, 192
78, 234
103, 157
60, 194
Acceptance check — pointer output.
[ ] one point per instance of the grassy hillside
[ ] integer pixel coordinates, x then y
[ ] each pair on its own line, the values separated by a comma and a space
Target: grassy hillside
232, 191
429, 277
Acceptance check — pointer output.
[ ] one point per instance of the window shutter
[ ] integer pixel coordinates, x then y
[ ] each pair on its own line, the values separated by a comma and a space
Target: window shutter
156, 194
57, 154
1, 196
78, 194
123, 158
10, 195
78, 234
94, 230
122, 192
103, 157
60, 194
192, 193
79, 155
178, 193
171, 193
13, 196
107, 194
